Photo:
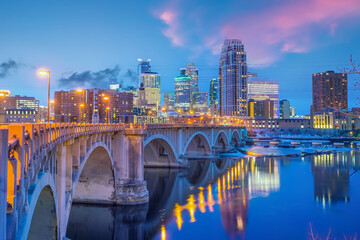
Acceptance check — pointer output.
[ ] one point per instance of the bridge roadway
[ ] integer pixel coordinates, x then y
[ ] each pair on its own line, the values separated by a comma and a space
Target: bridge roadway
46, 167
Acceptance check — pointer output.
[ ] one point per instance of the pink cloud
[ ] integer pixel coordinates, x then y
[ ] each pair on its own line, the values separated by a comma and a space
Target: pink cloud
293, 27
268, 34
170, 15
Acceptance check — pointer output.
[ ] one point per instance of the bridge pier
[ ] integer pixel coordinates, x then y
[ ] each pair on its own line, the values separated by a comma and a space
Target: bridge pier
130, 187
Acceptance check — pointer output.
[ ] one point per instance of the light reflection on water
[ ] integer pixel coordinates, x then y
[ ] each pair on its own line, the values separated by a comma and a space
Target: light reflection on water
253, 198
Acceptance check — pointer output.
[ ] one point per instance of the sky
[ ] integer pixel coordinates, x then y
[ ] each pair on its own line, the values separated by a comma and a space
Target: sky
87, 43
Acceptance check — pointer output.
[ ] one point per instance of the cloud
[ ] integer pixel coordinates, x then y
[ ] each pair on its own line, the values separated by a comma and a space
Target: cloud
171, 18
6, 67
268, 32
99, 79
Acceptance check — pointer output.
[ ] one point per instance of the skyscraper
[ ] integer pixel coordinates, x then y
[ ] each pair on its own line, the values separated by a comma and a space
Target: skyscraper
214, 92
143, 66
329, 90
284, 109
261, 109
182, 93
192, 72
260, 89
200, 102
169, 101
150, 81
233, 79
214, 96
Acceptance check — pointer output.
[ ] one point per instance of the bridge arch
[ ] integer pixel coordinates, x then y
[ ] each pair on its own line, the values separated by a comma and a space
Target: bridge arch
235, 138
159, 151
221, 141
198, 142
95, 172
41, 221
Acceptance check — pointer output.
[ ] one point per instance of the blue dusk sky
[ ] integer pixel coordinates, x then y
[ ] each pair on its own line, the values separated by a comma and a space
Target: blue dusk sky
100, 41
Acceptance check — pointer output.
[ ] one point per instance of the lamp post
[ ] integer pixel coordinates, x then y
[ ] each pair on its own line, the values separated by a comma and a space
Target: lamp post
81, 112
106, 98
44, 73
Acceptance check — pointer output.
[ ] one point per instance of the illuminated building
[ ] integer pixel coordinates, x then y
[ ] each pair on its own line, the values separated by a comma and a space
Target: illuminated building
93, 106
214, 96
284, 109
150, 82
43, 113
20, 115
169, 101
16, 102
329, 90
233, 79
292, 112
182, 93
192, 72
261, 109
260, 90
200, 102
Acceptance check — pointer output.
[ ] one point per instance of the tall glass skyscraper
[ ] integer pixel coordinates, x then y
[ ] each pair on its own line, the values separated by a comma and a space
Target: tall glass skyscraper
214, 92
233, 79
260, 90
182, 93
193, 73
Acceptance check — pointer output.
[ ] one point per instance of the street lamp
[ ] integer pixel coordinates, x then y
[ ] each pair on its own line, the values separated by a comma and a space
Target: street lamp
44, 73
106, 98
81, 112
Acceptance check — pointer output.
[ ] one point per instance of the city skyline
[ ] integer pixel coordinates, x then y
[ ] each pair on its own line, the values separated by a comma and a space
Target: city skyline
107, 44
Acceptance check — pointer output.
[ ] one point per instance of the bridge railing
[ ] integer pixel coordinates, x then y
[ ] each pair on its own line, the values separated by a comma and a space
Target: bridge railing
26, 152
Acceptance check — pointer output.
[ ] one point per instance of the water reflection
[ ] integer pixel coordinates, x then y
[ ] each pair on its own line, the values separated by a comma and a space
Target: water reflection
179, 198
332, 175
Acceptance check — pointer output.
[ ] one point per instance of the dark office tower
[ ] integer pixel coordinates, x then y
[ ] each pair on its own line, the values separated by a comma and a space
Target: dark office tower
329, 90
233, 79
285, 109
214, 92
143, 66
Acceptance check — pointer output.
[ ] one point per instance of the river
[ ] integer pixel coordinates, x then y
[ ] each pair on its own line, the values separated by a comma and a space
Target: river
237, 198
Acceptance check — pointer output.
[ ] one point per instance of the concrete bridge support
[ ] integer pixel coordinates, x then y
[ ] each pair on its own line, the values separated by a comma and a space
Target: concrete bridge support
130, 187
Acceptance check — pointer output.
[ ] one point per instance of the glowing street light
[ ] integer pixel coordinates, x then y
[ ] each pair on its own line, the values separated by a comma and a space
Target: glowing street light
47, 73
106, 98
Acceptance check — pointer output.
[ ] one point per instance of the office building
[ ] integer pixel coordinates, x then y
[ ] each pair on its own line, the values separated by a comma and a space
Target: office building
285, 109
150, 82
169, 101
233, 79
193, 73
16, 102
260, 89
200, 102
93, 106
21, 115
182, 93
263, 109
214, 96
329, 90
292, 112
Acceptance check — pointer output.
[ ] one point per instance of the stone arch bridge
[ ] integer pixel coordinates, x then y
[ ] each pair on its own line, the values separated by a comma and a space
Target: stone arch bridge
44, 168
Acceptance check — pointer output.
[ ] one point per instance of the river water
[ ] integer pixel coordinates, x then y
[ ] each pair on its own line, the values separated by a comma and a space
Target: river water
244, 198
